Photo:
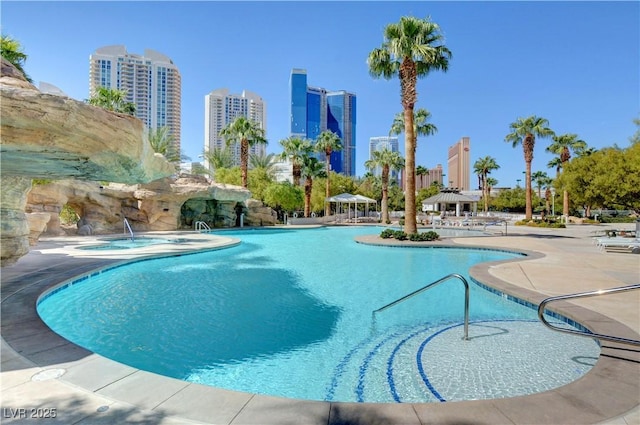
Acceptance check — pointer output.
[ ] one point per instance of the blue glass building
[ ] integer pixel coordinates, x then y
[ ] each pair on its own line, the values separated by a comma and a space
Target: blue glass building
315, 109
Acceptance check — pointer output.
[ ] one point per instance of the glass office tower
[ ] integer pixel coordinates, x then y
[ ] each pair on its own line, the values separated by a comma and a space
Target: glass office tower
315, 109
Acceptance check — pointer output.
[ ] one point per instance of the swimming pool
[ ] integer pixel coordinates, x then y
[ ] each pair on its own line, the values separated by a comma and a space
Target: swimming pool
288, 312
127, 243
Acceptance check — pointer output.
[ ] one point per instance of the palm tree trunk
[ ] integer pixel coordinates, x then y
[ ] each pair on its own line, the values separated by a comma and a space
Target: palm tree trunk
244, 161
528, 145
410, 225
484, 192
297, 172
385, 194
327, 191
307, 196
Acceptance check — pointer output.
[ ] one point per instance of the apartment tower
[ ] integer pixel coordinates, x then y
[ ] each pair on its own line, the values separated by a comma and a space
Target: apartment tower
315, 109
152, 82
222, 108
459, 165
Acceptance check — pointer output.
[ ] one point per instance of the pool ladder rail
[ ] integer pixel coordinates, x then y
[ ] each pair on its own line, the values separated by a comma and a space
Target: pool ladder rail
201, 226
611, 338
431, 285
127, 226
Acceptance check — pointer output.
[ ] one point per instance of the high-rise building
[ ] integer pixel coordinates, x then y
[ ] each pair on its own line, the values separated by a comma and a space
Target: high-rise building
222, 108
433, 175
380, 143
152, 83
315, 109
459, 165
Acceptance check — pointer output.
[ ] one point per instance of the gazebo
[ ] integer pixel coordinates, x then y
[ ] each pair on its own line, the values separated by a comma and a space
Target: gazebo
450, 201
348, 198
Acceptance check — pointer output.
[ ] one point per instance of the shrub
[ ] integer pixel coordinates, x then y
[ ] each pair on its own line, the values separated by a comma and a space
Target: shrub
400, 235
387, 233
425, 236
539, 223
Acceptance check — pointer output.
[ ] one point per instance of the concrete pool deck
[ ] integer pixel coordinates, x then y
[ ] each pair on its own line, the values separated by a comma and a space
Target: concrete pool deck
42, 373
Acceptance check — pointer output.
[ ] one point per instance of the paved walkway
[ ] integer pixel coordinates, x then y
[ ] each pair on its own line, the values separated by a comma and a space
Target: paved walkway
45, 375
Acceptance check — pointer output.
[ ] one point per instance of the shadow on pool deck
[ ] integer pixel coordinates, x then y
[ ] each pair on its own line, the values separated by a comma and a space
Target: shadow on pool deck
95, 390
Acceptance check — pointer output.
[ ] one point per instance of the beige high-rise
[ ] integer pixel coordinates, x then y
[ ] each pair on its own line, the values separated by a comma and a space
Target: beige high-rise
221, 108
458, 176
152, 82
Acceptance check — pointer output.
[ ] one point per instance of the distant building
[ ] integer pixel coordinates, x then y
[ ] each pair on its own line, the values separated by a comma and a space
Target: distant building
152, 82
221, 108
380, 143
433, 175
315, 109
459, 166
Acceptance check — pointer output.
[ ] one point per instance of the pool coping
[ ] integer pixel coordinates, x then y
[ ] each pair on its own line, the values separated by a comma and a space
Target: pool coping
609, 390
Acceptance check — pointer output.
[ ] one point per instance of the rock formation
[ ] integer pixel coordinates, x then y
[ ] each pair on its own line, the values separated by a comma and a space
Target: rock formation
55, 137
165, 204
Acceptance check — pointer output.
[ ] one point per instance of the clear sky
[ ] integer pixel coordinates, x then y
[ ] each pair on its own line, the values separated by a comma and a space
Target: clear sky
576, 64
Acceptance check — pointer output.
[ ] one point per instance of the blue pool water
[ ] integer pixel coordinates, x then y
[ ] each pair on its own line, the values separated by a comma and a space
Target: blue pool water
289, 313
127, 243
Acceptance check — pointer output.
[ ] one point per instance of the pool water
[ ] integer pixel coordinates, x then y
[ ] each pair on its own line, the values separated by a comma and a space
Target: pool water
115, 244
289, 313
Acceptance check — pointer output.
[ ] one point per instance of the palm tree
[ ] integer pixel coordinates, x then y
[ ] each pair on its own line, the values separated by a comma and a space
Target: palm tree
524, 131
387, 160
218, 158
311, 168
491, 183
483, 167
12, 52
163, 142
412, 48
562, 146
112, 100
540, 178
327, 142
247, 133
296, 149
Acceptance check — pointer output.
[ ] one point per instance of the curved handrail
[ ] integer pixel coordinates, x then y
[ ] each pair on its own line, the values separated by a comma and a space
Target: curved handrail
127, 226
432, 284
201, 226
544, 302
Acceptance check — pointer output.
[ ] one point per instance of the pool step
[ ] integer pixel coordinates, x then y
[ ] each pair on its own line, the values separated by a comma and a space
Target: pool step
434, 364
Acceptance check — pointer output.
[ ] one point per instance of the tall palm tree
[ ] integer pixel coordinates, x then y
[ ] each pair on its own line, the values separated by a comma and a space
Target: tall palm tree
540, 178
421, 127
163, 142
483, 167
311, 168
328, 142
524, 131
112, 100
296, 149
491, 183
411, 48
247, 133
218, 158
387, 160
562, 146
12, 51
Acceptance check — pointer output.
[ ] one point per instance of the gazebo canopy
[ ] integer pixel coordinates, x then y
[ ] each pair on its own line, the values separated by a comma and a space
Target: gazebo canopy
348, 198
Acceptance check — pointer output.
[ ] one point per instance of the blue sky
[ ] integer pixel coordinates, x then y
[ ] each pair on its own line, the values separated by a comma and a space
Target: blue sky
573, 63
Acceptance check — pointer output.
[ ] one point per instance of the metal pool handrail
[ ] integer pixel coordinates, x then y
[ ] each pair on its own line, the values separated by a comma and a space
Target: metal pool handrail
127, 226
202, 226
587, 294
424, 288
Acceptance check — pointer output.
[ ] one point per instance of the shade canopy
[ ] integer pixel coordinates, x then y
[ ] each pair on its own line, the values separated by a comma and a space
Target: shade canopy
348, 198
